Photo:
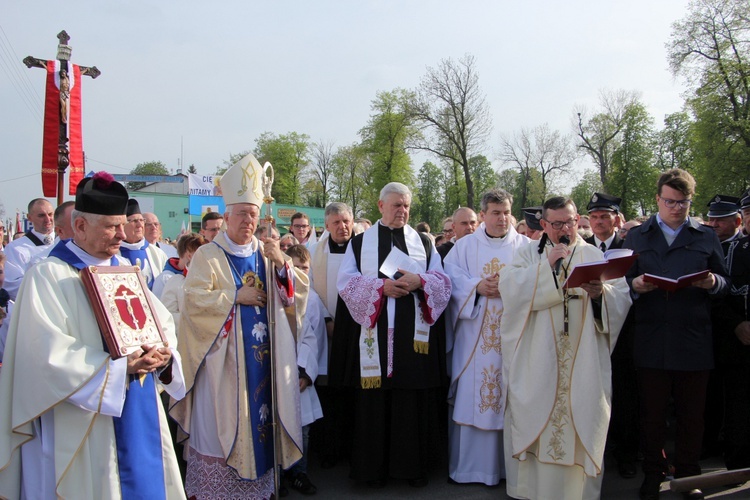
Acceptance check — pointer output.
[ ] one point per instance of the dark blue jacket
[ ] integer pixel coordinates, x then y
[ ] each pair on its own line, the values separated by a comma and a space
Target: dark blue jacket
673, 330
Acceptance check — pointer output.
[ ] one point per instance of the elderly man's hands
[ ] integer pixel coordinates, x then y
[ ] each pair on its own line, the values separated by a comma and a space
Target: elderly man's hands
148, 359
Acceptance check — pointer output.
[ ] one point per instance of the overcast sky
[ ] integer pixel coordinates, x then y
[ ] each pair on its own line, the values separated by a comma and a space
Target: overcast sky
215, 75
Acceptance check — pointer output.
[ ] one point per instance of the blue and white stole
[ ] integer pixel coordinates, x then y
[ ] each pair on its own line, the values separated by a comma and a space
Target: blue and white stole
139, 257
257, 348
137, 430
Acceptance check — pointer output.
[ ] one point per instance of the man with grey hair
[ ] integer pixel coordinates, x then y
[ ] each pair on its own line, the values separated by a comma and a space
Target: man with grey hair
475, 398
394, 367
88, 426
327, 256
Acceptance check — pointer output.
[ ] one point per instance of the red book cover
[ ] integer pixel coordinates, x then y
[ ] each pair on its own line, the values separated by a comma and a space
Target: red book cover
603, 270
672, 285
122, 308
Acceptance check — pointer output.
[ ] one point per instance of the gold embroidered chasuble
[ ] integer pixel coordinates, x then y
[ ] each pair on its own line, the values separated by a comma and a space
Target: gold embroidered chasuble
558, 386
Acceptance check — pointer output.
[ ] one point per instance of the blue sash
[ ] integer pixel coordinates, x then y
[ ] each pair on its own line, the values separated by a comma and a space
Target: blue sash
137, 431
139, 258
256, 346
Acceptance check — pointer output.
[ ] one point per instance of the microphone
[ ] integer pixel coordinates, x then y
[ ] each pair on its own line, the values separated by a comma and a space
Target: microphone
565, 241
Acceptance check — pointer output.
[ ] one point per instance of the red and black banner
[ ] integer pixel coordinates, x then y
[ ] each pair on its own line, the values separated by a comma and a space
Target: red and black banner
62, 113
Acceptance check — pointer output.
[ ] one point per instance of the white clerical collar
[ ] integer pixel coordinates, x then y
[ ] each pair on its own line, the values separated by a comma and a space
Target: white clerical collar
241, 250
41, 236
133, 246
87, 258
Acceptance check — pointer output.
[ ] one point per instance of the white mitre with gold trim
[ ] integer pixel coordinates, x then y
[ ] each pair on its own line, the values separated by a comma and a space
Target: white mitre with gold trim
243, 182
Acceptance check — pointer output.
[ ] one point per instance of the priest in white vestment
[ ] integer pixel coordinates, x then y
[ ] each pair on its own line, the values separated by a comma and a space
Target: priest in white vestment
476, 403
556, 363
21, 253
136, 248
327, 256
226, 419
76, 423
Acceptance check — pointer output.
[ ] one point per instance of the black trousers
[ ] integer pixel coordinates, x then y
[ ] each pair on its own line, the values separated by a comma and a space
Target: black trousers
737, 416
688, 390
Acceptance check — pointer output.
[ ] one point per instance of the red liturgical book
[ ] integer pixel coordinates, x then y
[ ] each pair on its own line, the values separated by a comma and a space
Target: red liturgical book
123, 309
614, 267
672, 285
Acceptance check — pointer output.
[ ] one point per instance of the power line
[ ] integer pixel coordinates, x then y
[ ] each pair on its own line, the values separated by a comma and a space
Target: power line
18, 78
19, 178
22, 73
88, 159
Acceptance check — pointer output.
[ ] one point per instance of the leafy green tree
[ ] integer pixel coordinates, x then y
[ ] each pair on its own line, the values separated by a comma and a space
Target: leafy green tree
674, 142
633, 174
526, 188
147, 168
289, 154
451, 107
454, 187
233, 158
581, 193
427, 204
312, 193
484, 176
710, 48
351, 179
385, 138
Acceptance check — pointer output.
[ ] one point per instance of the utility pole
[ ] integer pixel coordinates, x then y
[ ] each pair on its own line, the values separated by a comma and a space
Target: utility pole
61, 107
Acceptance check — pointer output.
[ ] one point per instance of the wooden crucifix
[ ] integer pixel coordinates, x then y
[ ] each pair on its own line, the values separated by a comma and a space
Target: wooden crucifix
62, 118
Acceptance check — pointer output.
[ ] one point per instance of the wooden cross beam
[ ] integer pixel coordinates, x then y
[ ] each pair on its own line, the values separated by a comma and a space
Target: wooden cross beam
63, 55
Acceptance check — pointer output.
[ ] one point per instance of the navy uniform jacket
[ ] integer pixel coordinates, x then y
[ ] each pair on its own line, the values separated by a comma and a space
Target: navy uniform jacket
673, 330
735, 308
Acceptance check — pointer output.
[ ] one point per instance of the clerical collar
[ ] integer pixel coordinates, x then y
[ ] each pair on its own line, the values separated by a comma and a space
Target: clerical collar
241, 250
334, 247
87, 258
133, 246
391, 228
494, 237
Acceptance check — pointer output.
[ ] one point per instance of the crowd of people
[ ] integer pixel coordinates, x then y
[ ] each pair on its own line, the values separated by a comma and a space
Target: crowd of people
377, 345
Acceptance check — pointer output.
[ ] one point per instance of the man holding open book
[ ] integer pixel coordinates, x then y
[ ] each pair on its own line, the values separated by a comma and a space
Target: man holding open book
556, 344
673, 344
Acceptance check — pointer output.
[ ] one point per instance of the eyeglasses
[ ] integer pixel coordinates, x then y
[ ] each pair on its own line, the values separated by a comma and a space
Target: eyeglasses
136, 221
672, 203
300, 226
153, 224
447, 230
558, 224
